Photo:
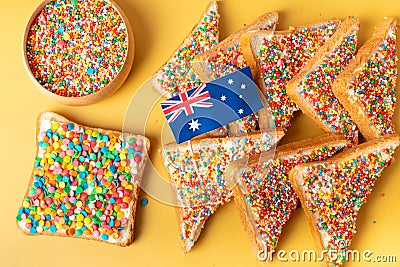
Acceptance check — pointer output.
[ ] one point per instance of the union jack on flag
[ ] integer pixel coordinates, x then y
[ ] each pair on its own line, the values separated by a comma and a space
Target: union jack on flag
173, 107
212, 105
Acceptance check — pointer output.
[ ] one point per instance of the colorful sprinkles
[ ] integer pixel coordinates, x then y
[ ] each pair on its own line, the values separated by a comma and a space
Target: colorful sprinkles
144, 201
177, 76
374, 86
269, 195
225, 61
316, 88
281, 57
229, 60
75, 47
334, 193
197, 175
248, 124
84, 182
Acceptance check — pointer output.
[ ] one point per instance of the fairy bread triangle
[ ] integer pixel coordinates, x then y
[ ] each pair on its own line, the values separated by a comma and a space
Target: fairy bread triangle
367, 87
264, 197
177, 75
276, 57
197, 168
333, 191
226, 57
311, 88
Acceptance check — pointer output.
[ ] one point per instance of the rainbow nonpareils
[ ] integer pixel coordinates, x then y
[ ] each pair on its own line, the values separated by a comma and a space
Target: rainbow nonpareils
281, 56
197, 169
333, 191
76, 48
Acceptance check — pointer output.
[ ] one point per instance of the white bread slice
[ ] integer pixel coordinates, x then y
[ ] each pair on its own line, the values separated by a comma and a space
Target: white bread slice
176, 75
264, 197
196, 170
74, 191
311, 88
226, 57
276, 57
332, 192
367, 87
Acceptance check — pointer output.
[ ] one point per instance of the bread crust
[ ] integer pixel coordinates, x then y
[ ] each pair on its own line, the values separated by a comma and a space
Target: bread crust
199, 62
131, 222
355, 151
343, 156
309, 144
212, 6
347, 76
345, 29
246, 220
278, 134
314, 232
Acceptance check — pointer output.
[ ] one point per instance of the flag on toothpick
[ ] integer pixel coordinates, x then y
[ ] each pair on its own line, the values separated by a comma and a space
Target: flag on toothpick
212, 105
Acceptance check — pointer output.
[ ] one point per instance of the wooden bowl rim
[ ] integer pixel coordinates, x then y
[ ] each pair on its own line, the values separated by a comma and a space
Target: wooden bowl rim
104, 92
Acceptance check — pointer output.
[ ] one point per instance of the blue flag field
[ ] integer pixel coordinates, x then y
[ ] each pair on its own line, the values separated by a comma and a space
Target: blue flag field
212, 105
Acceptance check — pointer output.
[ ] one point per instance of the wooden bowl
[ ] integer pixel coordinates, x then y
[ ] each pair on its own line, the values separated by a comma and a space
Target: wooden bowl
105, 91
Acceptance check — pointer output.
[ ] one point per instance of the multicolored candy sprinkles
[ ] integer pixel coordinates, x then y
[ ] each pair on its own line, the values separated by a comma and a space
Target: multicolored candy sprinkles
281, 56
75, 48
197, 175
268, 194
316, 88
228, 60
84, 182
177, 75
248, 124
374, 86
335, 191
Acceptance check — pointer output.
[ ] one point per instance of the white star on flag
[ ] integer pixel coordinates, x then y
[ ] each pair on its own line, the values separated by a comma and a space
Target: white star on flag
230, 81
243, 86
240, 111
194, 125
223, 98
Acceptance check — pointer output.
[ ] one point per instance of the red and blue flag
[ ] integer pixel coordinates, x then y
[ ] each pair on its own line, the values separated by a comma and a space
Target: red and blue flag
212, 105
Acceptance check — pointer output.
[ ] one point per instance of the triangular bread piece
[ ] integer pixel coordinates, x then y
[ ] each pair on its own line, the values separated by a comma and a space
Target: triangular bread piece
367, 87
227, 57
177, 75
85, 182
263, 194
197, 168
333, 191
311, 88
276, 57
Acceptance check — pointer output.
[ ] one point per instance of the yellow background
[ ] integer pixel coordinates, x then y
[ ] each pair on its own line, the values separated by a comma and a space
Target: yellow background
159, 26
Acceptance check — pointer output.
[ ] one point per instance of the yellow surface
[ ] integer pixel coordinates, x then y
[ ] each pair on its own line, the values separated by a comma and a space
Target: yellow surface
159, 26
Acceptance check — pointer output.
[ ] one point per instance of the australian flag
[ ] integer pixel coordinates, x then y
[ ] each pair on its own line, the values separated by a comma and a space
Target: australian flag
212, 105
